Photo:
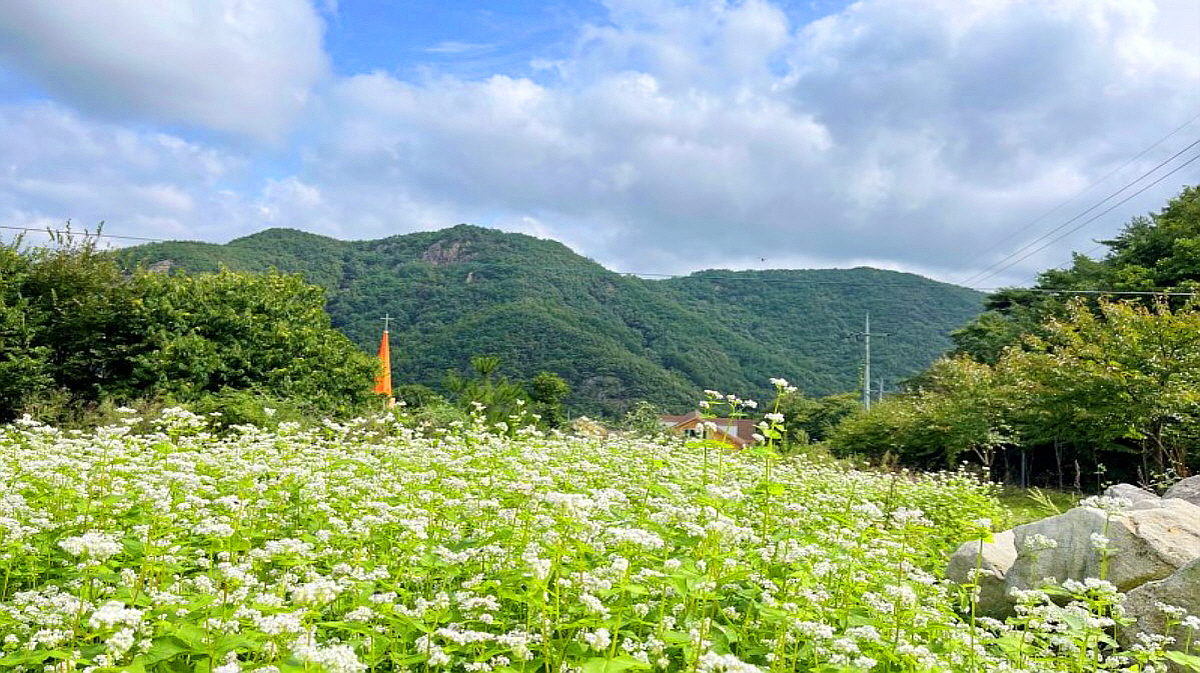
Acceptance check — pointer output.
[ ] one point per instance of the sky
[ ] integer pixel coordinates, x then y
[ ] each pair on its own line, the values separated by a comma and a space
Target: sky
941, 137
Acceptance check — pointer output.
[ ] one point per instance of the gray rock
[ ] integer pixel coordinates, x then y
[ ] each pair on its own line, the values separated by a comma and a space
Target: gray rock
1150, 544
1180, 589
1072, 556
1130, 492
1185, 489
993, 559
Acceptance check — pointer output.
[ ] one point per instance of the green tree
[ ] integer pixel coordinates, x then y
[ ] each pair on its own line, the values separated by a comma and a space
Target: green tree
77, 329
230, 330
67, 323
962, 408
1159, 252
644, 419
1124, 377
497, 398
547, 391
810, 419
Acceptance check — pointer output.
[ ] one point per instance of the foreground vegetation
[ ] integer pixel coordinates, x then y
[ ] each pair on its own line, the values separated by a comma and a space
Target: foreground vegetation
371, 546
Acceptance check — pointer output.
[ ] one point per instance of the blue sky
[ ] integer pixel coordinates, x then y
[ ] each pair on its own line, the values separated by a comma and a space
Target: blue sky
651, 135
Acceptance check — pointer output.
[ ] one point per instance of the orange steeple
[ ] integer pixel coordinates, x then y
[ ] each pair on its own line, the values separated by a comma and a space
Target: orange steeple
383, 383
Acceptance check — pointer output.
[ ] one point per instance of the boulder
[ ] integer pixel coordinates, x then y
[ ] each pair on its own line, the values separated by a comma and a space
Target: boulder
1180, 589
1185, 489
993, 559
1130, 492
1150, 544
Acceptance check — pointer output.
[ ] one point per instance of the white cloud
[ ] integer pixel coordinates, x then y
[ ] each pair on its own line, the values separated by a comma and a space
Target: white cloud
913, 133
243, 66
684, 136
57, 166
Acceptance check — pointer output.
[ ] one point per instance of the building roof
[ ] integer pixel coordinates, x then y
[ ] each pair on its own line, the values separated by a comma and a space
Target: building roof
737, 431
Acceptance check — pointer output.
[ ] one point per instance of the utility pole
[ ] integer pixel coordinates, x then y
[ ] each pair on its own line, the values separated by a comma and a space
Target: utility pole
866, 385
880, 397
867, 363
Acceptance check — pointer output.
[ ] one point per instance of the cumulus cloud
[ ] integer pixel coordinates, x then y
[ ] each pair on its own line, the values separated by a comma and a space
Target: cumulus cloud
57, 166
913, 134
243, 66
685, 135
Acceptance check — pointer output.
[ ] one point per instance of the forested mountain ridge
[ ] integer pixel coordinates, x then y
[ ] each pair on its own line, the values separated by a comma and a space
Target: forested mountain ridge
536, 304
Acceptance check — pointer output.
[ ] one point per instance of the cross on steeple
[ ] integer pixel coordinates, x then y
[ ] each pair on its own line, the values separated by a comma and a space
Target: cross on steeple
387, 318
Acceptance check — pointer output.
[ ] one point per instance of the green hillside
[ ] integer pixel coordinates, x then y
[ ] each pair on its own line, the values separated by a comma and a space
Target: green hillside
467, 290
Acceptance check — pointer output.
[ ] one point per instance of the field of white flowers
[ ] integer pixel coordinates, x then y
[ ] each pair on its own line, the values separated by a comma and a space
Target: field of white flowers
369, 547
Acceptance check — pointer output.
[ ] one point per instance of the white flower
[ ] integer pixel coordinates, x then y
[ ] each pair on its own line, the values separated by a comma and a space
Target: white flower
317, 592
335, 658
598, 640
1106, 503
1038, 542
112, 613
92, 545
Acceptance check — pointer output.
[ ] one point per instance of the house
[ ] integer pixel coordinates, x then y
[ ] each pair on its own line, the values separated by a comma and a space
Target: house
737, 432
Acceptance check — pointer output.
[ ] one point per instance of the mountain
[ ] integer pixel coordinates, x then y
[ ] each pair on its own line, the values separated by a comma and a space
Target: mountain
616, 339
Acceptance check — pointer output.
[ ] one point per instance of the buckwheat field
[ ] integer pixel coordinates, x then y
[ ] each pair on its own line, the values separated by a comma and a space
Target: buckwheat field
371, 547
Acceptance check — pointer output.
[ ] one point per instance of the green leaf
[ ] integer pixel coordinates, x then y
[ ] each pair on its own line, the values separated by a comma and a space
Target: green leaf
635, 589
1191, 661
616, 665
194, 637
25, 658
165, 648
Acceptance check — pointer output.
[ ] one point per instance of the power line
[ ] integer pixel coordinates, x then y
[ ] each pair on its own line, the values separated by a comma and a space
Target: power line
1079, 226
1139, 293
984, 274
1083, 191
85, 233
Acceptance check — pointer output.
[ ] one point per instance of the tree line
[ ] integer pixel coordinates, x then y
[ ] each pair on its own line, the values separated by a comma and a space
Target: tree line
1057, 387
77, 333
80, 336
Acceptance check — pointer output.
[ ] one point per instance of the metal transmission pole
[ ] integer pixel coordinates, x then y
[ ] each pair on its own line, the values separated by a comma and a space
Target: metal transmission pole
866, 384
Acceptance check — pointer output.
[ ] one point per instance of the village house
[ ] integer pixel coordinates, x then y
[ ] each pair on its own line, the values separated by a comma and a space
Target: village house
737, 432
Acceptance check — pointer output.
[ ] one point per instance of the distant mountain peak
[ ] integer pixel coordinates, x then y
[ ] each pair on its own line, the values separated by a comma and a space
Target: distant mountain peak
467, 290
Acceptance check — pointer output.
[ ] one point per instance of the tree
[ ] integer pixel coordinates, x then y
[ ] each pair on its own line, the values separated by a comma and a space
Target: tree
1122, 377
810, 419
1160, 252
496, 397
547, 391
961, 409
231, 330
73, 326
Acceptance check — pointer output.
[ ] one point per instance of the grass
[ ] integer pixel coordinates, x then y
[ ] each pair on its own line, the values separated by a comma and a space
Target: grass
1025, 505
